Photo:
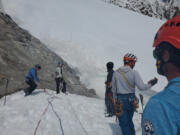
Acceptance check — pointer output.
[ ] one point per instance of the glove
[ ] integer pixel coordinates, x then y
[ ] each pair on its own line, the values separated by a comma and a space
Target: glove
153, 81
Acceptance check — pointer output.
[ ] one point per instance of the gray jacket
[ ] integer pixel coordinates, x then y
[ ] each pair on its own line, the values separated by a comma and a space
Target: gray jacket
58, 72
120, 85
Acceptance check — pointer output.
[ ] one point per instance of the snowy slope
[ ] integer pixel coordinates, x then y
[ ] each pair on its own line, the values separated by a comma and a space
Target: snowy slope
65, 115
68, 115
88, 33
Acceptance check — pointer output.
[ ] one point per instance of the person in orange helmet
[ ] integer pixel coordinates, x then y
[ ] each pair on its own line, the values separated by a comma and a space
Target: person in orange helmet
162, 112
124, 82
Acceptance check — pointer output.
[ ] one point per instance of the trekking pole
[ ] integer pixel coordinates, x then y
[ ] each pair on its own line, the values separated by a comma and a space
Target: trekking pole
7, 82
142, 104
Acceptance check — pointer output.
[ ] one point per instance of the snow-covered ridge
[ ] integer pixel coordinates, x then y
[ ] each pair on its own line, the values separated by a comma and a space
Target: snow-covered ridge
152, 8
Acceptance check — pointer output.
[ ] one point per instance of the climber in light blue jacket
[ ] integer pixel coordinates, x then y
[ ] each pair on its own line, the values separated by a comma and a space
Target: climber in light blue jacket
162, 112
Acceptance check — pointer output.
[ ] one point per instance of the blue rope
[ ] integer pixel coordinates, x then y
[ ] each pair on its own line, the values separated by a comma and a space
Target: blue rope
60, 123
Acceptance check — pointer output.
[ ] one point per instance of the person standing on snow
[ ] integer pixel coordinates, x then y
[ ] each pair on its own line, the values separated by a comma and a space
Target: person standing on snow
31, 78
59, 78
123, 86
108, 94
162, 112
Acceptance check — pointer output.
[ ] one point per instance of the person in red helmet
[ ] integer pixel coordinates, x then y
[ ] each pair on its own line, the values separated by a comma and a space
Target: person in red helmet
162, 112
123, 86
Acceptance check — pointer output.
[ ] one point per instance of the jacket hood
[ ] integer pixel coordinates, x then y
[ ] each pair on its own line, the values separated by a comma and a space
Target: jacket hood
125, 69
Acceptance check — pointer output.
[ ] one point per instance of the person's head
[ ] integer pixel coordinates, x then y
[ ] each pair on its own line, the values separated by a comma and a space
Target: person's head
110, 65
38, 67
60, 64
130, 60
167, 47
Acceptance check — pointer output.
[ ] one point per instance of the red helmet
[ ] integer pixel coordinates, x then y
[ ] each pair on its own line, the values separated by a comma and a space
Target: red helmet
169, 32
130, 57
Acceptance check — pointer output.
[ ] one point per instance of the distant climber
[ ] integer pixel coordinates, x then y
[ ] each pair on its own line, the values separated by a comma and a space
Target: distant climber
108, 94
60, 82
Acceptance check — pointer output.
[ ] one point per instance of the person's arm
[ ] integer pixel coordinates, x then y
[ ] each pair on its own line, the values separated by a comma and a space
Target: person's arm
114, 86
156, 119
139, 82
34, 74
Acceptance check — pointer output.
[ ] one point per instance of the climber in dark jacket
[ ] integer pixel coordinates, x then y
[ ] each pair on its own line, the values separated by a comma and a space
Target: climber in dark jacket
109, 94
31, 78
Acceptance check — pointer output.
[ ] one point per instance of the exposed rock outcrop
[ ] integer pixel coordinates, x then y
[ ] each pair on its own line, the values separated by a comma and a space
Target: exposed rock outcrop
152, 8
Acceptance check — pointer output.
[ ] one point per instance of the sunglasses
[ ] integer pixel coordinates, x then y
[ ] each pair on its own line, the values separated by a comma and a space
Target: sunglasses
157, 53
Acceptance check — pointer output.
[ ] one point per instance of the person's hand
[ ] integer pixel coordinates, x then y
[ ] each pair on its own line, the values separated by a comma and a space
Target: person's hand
153, 81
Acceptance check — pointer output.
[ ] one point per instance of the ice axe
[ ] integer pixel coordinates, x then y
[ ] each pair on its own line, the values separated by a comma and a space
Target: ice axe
142, 103
7, 82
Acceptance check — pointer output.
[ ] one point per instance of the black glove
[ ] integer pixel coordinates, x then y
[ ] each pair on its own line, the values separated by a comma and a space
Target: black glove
153, 81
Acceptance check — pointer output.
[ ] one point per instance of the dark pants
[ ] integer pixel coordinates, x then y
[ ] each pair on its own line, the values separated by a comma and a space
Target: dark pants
126, 119
63, 85
108, 102
32, 86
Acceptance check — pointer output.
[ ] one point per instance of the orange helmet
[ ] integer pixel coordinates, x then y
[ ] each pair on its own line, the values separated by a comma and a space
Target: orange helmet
169, 32
130, 57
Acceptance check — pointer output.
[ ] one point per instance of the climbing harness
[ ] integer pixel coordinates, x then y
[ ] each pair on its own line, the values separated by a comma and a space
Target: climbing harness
118, 109
136, 101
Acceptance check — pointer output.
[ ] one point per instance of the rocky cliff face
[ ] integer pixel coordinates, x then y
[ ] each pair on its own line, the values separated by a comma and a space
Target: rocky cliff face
19, 51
